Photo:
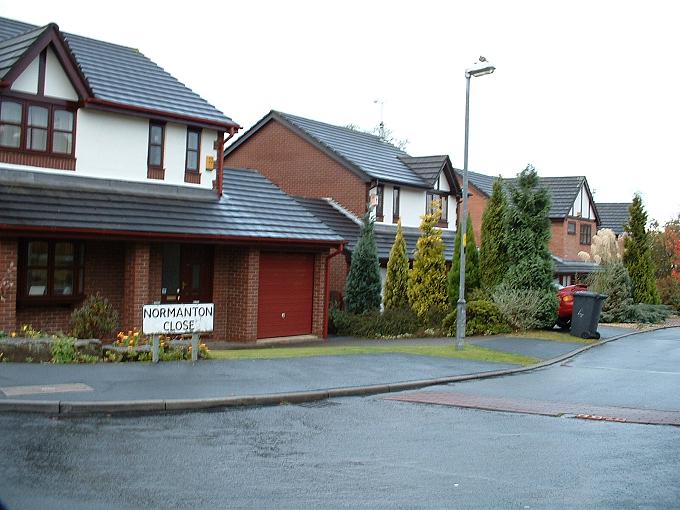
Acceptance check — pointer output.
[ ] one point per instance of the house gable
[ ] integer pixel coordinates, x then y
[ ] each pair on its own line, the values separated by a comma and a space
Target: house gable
39, 62
296, 165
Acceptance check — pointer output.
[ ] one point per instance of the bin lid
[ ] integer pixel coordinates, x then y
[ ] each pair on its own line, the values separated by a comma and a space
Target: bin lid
590, 294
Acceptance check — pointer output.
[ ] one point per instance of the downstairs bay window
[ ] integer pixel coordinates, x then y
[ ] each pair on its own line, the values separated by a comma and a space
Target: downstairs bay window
51, 271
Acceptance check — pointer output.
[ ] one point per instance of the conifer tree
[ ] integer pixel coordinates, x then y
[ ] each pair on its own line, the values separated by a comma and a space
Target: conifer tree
471, 265
427, 280
362, 289
637, 255
396, 281
493, 251
528, 237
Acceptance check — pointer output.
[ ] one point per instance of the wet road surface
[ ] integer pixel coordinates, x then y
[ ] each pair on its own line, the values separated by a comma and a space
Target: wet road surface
371, 452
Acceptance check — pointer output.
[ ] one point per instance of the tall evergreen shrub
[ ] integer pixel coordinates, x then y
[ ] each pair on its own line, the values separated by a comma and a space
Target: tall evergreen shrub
362, 289
396, 281
637, 255
471, 265
528, 237
427, 280
493, 251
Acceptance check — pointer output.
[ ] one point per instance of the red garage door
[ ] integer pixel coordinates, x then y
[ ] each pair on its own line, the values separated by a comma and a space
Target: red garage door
285, 294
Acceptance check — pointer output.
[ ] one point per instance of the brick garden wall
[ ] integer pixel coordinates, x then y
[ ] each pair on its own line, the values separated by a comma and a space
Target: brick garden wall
299, 168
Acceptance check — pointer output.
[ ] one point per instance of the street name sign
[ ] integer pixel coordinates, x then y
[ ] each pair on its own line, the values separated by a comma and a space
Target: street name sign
177, 319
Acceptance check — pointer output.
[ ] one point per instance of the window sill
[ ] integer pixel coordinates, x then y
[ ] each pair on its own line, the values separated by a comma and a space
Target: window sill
37, 159
192, 177
155, 173
48, 300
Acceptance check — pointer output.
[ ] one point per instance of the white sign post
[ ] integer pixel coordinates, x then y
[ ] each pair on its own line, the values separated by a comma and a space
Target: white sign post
177, 319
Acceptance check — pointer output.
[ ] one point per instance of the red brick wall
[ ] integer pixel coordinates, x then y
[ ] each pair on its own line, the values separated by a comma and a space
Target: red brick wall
338, 268
8, 270
135, 284
567, 246
476, 205
319, 296
299, 168
155, 273
237, 285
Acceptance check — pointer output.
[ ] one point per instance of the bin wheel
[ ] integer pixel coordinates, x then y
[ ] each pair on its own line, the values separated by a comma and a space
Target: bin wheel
596, 335
585, 335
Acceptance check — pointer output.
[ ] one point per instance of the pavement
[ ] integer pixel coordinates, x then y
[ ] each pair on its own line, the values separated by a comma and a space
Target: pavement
169, 386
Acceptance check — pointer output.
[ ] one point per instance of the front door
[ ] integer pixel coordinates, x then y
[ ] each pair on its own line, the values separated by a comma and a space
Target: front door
187, 273
195, 274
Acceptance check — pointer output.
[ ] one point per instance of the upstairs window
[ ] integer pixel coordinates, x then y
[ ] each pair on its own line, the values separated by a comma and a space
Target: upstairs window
444, 202
156, 150
571, 228
396, 194
585, 234
36, 134
11, 114
380, 195
193, 149
38, 128
62, 136
193, 156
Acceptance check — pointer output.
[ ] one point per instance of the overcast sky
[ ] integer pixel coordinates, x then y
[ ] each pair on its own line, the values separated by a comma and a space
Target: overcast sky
581, 88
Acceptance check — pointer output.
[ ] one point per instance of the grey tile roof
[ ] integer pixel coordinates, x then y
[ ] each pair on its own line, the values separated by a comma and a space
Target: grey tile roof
427, 167
125, 76
483, 183
563, 190
251, 208
363, 153
11, 49
614, 215
571, 266
349, 230
340, 223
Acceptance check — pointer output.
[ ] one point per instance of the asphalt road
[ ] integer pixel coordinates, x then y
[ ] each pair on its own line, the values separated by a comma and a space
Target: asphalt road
370, 452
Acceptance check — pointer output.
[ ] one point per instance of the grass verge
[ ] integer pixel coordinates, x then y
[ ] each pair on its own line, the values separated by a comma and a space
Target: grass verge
470, 352
552, 335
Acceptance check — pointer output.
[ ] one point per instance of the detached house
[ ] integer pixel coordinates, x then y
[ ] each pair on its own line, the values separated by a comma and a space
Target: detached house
573, 215
112, 181
339, 173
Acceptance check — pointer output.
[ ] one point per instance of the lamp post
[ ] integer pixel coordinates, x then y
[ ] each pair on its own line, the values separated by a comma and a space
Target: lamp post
478, 69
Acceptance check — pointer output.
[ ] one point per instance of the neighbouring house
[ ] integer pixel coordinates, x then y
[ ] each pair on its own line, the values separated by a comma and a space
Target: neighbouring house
342, 172
614, 215
574, 218
112, 182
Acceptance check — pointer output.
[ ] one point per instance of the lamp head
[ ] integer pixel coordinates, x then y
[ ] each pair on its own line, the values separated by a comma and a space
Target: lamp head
480, 69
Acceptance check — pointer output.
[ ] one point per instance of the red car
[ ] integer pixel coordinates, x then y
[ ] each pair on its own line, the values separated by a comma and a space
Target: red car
566, 298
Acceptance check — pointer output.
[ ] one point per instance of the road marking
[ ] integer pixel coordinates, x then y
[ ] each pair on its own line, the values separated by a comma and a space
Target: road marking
626, 369
544, 408
15, 391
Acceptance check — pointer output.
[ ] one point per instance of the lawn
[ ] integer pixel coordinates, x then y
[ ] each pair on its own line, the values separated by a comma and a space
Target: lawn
470, 352
553, 335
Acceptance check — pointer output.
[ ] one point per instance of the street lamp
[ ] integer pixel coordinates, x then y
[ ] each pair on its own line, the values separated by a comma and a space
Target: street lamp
478, 69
